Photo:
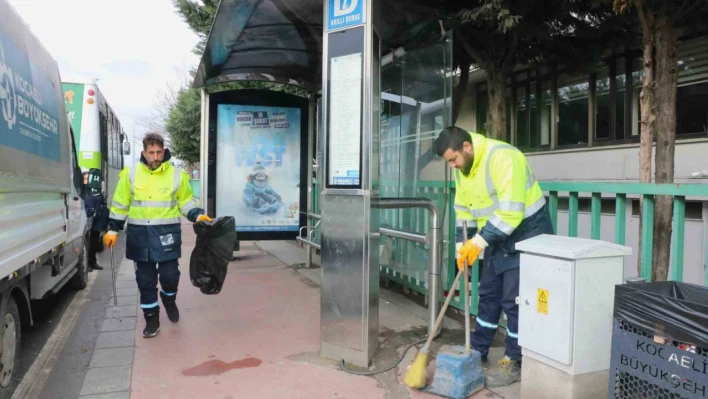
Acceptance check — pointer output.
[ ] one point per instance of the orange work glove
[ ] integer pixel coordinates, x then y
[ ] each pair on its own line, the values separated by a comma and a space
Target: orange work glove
110, 239
203, 218
470, 251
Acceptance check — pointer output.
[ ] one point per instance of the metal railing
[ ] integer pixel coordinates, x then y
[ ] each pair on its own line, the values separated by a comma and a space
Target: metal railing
432, 239
557, 191
648, 193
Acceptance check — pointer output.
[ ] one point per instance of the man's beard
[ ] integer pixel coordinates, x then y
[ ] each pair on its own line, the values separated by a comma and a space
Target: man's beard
467, 167
154, 165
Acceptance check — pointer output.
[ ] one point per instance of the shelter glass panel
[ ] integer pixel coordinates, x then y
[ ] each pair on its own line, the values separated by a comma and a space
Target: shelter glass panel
416, 104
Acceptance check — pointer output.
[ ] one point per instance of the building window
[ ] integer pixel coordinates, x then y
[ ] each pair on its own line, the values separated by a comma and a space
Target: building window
610, 95
603, 126
532, 102
573, 93
545, 114
522, 122
694, 209
607, 205
692, 109
692, 92
692, 95
637, 82
620, 90
482, 111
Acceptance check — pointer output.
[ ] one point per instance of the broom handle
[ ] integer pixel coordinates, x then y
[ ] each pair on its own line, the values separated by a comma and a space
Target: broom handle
439, 320
467, 292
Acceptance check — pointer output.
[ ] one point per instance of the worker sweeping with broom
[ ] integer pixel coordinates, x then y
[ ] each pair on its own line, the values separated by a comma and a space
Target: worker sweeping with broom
498, 196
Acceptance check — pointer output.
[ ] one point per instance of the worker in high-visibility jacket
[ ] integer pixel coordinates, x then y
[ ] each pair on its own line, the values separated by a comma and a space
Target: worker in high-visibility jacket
498, 196
152, 196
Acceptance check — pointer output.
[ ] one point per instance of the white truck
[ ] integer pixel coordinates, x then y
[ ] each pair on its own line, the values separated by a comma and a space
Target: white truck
43, 224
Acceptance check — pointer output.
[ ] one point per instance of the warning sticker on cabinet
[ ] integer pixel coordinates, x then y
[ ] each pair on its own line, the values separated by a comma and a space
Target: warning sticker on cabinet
542, 303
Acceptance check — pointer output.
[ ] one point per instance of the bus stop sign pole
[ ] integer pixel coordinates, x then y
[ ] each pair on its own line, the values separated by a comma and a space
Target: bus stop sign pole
350, 224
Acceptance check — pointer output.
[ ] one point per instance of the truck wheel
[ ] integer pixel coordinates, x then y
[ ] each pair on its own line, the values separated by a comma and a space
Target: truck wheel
80, 279
10, 350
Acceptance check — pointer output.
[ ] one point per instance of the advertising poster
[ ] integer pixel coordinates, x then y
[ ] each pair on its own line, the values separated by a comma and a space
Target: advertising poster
74, 101
258, 167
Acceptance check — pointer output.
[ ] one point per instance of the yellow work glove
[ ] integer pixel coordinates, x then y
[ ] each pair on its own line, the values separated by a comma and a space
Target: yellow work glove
203, 218
470, 251
110, 239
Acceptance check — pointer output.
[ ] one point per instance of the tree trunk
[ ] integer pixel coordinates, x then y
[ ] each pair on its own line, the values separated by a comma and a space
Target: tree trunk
496, 118
647, 99
666, 76
658, 107
459, 91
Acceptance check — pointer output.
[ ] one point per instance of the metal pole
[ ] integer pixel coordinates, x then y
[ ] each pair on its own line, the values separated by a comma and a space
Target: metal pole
405, 235
113, 274
204, 152
434, 265
467, 291
308, 260
310, 139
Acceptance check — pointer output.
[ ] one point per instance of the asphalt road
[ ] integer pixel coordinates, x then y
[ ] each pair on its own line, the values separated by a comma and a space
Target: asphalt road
68, 365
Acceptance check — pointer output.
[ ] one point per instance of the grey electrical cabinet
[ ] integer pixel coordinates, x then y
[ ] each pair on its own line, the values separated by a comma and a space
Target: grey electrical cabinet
566, 297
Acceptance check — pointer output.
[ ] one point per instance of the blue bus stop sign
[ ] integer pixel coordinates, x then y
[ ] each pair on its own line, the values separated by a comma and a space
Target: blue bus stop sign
344, 13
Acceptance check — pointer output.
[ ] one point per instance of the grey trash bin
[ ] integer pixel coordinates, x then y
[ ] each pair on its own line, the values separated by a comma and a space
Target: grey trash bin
659, 341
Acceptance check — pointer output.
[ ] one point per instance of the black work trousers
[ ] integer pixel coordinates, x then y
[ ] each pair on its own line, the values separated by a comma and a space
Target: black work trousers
147, 274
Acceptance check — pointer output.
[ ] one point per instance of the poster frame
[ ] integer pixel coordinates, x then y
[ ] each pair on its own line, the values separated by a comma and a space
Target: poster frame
263, 98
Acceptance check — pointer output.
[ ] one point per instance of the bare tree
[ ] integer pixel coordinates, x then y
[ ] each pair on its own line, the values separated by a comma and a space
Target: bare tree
165, 100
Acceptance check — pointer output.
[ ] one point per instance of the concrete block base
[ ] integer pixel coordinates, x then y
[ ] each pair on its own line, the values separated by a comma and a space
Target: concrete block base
540, 381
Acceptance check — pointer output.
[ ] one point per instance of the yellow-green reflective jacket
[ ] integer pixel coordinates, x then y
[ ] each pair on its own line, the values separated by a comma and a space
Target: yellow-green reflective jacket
153, 202
502, 199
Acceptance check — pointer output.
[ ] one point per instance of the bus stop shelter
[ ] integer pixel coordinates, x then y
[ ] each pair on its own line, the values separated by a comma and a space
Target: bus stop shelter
400, 191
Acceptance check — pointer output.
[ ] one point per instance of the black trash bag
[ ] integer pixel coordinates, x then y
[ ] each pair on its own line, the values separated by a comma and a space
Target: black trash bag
673, 310
210, 259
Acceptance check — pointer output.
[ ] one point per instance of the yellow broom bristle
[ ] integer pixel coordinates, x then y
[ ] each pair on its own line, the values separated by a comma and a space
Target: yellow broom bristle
417, 375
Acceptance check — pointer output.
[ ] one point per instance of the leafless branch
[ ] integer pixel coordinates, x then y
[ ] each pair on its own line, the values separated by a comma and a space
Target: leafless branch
164, 101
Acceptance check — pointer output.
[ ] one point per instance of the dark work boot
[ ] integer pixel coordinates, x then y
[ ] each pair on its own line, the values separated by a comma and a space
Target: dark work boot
507, 373
170, 303
152, 323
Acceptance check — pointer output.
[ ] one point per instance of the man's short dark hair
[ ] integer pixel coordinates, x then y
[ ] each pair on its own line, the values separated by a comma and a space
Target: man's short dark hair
153, 138
451, 138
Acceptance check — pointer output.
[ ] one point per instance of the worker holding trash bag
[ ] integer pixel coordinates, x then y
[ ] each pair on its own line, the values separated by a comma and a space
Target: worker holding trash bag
212, 253
152, 196
498, 196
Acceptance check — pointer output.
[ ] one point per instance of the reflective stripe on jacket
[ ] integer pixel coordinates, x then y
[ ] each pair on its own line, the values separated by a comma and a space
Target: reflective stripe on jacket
153, 201
498, 196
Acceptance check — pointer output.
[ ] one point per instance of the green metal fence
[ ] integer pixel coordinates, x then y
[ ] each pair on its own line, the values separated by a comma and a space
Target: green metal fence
408, 264
648, 193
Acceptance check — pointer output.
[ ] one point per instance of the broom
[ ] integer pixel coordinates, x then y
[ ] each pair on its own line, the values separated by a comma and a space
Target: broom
417, 375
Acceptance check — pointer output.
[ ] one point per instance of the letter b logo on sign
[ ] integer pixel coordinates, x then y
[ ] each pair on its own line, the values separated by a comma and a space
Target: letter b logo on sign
344, 7
344, 13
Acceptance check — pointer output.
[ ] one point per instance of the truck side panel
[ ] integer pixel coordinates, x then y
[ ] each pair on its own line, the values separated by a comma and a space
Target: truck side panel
34, 135
32, 224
